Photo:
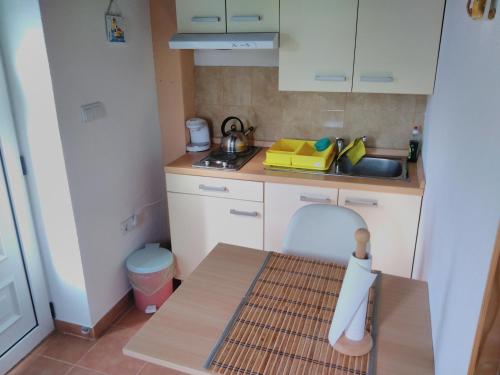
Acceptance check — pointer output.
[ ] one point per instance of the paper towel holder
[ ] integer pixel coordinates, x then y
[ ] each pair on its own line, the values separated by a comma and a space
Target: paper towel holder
365, 345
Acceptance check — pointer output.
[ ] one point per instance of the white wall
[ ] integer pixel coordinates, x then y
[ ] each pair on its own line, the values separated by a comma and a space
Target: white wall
461, 207
30, 87
114, 164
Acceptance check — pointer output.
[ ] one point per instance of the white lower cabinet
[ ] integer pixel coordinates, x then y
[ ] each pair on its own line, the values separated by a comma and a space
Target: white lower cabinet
281, 202
393, 222
198, 223
204, 211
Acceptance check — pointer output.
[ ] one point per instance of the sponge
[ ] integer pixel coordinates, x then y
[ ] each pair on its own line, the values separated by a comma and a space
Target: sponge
322, 144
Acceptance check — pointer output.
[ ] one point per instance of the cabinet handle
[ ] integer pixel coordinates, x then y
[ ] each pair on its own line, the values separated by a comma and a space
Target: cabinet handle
246, 18
232, 211
305, 198
205, 19
379, 79
221, 189
361, 202
331, 78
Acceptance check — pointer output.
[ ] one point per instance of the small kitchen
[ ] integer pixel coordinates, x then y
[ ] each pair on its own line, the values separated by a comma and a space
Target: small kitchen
251, 187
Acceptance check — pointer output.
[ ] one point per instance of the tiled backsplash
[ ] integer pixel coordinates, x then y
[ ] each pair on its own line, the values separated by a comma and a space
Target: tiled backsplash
252, 94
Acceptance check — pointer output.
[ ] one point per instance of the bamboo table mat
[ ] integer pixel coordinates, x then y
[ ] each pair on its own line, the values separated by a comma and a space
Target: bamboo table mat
282, 324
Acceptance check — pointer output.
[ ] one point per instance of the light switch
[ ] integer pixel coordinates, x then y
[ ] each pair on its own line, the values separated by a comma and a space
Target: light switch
92, 112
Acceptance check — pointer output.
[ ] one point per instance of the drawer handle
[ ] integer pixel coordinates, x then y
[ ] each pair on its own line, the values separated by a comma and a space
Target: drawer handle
330, 78
246, 18
232, 211
361, 202
205, 19
377, 79
305, 198
221, 189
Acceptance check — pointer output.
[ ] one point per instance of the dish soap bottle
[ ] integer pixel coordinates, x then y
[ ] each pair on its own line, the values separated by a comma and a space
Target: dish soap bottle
414, 145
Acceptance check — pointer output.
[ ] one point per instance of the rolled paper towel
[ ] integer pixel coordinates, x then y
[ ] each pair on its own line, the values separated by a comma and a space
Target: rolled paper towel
350, 312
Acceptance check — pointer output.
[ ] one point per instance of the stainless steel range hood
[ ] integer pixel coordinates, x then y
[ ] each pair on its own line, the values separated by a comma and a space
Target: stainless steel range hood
225, 41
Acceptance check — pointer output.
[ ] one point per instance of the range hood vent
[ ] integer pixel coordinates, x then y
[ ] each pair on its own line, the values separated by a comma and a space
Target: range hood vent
225, 41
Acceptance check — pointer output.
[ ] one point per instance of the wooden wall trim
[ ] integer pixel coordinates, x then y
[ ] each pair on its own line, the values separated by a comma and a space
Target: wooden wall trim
174, 71
103, 324
490, 309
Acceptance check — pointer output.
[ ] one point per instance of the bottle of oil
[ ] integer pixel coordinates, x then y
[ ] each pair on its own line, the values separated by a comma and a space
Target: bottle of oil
414, 145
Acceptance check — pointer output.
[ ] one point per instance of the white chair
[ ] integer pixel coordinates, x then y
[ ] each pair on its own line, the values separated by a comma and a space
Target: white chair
323, 232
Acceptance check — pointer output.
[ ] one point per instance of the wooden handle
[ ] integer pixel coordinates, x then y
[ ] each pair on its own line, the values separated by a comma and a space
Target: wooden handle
362, 237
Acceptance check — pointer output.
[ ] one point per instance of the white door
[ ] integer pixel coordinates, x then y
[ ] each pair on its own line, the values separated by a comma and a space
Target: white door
17, 316
24, 305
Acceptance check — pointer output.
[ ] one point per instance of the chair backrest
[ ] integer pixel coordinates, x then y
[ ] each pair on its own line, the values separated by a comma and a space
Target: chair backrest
323, 232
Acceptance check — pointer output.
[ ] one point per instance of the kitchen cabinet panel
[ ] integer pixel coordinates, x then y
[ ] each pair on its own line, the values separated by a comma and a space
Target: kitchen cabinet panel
397, 46
201, 16
252, 16
392, 220
198, 223
281, 202
317, 40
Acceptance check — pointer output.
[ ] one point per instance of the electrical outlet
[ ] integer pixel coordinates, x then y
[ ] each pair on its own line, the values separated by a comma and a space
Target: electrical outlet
128, 224
92, 112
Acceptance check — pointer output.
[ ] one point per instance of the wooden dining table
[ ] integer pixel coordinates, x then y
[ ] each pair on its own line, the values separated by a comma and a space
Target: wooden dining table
183, 332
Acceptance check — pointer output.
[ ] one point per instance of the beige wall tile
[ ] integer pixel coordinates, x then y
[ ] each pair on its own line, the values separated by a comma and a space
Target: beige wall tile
209, 87
252, 94
237, 86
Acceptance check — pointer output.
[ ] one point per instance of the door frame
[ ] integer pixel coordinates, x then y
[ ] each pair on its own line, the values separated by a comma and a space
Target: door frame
22, 212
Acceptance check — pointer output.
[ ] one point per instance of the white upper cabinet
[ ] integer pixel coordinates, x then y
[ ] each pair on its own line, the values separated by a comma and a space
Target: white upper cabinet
317, 39
397, 46
252, 16
201, 16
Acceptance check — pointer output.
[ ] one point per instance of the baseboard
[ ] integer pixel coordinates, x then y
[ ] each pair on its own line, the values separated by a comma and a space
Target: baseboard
102, 325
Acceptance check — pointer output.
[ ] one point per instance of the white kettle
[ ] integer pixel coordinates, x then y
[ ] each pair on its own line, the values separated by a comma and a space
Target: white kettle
198, 134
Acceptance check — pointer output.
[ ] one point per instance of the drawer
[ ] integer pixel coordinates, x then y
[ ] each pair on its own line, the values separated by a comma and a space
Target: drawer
215, 187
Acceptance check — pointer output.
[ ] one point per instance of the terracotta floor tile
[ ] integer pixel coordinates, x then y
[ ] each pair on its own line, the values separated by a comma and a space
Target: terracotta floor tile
133, 318
107, 356
37, 365
150, 369
65, 347
83, 371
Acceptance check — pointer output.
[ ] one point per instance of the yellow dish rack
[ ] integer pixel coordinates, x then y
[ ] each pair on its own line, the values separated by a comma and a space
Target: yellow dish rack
297, 153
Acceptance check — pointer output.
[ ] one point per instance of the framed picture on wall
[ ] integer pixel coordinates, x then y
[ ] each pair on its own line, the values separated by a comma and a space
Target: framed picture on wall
115, 29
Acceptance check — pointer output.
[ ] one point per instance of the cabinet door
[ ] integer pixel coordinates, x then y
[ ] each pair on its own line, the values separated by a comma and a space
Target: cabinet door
198, 223
397, 46
317, 45
201, 16
392, 220
252, 16
281, 202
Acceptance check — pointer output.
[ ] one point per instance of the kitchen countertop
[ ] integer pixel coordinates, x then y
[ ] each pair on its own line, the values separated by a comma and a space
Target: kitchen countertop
255, 171
182, 333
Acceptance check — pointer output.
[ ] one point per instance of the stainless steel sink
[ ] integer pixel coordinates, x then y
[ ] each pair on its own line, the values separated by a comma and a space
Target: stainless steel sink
371, 166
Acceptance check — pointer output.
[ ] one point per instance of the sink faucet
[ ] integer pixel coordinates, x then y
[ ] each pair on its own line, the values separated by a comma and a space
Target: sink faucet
340, 144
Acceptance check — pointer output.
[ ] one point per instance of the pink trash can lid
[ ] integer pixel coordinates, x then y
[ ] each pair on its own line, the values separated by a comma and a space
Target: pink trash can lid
150, 259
